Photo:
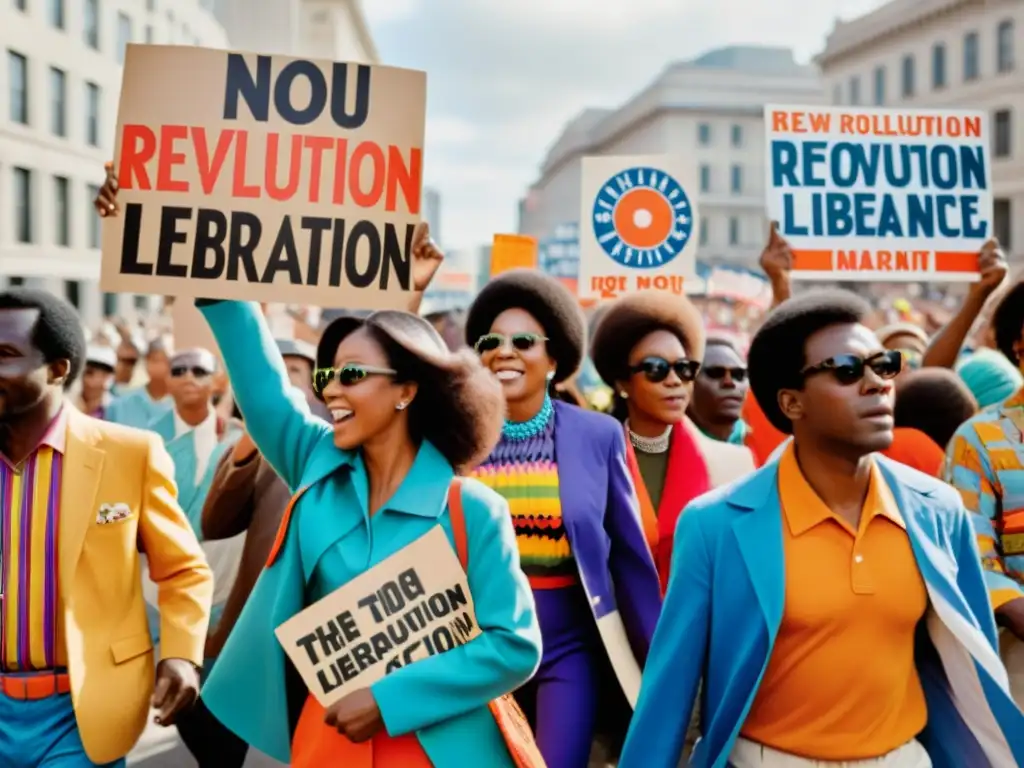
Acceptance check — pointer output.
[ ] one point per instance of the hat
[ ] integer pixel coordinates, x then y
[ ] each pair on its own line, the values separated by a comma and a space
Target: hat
104, 357
197, 357
296, 348
990, 376
901, 329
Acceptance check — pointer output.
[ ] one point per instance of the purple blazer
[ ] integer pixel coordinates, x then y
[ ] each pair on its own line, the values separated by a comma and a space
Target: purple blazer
602, 520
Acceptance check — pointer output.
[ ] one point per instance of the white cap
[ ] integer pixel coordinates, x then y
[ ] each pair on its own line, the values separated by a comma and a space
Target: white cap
98, 355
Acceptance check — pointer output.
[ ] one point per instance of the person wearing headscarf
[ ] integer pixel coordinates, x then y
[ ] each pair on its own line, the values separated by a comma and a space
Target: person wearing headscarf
97, 378
648, 348
406, 416
573, 505
140, 407
990, 376
985, 462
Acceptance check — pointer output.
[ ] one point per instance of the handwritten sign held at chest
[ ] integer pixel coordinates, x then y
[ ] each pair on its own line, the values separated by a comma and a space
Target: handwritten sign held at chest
413, 605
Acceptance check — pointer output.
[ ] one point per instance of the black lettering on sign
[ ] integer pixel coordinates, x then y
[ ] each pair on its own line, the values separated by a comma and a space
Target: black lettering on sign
255, 89
169, 237
211, 231
130, 264
284, 256
246, 231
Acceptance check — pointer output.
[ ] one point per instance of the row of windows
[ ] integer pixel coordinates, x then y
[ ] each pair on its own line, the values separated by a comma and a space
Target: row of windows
971, 68
56, 18
735, 231
26, 224
705, 135
73, 293
18, 105
736, 179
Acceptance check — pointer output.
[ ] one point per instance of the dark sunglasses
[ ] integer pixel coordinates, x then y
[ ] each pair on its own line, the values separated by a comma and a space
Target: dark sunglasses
849, 369
347, 375
717, 372
180, 370
657, 369
128, 360
519, 341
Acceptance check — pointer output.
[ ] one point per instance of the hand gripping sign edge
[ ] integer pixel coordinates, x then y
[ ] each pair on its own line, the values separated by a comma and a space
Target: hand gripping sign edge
642, 217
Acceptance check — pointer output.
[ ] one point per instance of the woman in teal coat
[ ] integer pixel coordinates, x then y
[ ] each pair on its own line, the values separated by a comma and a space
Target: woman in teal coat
407, 415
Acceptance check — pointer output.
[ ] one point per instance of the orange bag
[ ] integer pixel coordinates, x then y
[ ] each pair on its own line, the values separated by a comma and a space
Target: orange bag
507, 714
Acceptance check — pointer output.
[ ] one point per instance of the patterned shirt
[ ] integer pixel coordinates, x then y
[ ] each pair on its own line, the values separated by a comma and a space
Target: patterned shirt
985, 462
30, 505
526, 474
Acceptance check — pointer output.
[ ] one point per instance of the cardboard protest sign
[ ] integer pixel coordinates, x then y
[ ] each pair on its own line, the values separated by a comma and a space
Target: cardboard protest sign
268, 178
637, 217
513, 252
559, 255
412, 605
191, 329
880, 194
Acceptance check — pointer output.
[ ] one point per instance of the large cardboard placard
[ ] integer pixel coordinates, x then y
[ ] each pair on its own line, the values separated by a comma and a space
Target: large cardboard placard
510, 252
412, 605
880, 194
637, 220
265, 177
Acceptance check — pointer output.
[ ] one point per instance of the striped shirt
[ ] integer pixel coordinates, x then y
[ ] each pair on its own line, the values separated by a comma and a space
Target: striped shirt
30, 506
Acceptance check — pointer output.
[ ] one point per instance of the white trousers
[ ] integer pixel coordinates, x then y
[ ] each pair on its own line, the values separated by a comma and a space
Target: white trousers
1012, 651
750, 754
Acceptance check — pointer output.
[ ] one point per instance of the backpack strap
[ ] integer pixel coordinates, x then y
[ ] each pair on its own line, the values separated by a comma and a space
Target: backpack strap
282, 529
458, 519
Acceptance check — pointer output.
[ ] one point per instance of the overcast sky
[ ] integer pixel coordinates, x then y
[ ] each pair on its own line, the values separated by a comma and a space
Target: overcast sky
504, 76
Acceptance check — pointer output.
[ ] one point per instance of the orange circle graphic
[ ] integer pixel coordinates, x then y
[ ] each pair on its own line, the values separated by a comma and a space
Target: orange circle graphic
643, 218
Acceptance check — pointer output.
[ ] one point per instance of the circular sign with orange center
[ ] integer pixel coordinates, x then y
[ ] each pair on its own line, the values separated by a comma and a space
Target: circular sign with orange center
642, 218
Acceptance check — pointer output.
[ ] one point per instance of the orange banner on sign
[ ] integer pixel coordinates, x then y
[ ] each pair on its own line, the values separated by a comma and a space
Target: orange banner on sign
513, 252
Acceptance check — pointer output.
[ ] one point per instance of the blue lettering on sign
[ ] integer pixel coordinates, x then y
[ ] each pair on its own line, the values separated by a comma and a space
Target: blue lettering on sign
843, 188
642, 218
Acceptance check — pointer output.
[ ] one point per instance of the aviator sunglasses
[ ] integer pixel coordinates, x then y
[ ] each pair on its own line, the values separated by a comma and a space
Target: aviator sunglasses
347, 375
849, 369
656, 369
520, 342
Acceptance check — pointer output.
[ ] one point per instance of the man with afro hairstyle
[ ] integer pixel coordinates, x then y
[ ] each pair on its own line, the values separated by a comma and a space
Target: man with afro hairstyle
832, 601
985, 462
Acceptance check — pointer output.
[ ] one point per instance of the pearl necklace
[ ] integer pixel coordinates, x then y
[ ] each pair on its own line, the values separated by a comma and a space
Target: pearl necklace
651, 444
524, 430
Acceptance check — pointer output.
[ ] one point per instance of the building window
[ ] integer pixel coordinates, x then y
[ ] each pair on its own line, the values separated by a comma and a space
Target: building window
141, 301
705, 178
737, 136
879, 86
92, 23
971, 64
149, 34
736, 179
704, 134
72, 292
938, 66
55, 10
734, 231
1003, 145
703, 230
109, 304
20, 5
837, 94
16, 281
23, 205
124, 35
94, 219
17, 72
854, 91
1004, 46
908, 77
58, 102
1002, 222
92, 114
61, 211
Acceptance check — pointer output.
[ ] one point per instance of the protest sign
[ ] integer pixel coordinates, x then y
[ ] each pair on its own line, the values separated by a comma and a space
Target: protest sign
880, 194
413, 605
265, 177
637, 219
513, 252
559, 255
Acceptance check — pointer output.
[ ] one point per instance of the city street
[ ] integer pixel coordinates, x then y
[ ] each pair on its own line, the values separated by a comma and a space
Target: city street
161, 748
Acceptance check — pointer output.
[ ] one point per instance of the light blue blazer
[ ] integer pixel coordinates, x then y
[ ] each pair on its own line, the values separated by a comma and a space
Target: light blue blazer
442, 699
135, 408
724, 607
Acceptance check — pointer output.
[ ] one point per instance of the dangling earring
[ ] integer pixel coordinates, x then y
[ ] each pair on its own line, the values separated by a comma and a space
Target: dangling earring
623, 395
550, 377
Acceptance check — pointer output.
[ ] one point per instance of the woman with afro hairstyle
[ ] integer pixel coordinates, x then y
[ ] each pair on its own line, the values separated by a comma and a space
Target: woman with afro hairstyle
647, 348
563, 471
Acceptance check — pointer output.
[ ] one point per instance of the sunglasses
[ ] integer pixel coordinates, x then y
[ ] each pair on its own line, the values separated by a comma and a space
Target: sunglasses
657, 369
849, 369
179, 371
520, 342
717, 372
346, 375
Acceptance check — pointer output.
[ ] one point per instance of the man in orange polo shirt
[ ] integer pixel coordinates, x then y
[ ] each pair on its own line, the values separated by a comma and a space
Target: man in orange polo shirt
832, 602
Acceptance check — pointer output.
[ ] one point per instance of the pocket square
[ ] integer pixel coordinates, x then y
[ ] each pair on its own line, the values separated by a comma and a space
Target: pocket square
112, 513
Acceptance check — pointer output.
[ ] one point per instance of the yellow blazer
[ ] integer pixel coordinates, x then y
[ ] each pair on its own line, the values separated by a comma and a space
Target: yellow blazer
109, 650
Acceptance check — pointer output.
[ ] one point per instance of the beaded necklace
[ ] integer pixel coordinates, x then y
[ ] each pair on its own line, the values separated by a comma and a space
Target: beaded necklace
524, 430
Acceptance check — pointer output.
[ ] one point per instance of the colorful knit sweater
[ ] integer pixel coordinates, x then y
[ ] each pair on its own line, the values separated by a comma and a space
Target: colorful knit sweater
525, 472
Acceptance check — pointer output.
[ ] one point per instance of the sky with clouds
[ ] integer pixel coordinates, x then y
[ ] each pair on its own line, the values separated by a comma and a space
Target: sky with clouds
504, 76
